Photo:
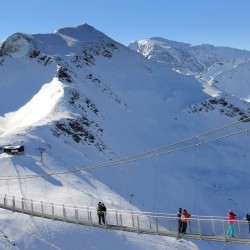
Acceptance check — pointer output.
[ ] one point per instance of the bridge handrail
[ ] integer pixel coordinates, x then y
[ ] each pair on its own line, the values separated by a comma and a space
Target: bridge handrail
210, 228
134, 212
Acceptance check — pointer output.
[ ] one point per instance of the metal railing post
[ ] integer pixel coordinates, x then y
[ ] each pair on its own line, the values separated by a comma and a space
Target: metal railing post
224, 230
13, 203
90, 217
213, 227
238, 223
64, 213
133, 223
121, 222
190, 228
199, 227
116, 216
76, 215
22, 205
5, 200
53, 211
105, 219
156, 224
42, 208
32, 209
88, 213
177, 231
138, 224
169, 224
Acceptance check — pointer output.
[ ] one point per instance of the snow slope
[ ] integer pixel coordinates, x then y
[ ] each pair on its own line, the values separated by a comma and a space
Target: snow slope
86, 99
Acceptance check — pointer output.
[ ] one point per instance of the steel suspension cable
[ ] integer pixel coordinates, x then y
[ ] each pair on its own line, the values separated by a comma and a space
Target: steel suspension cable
196, 173
130, 158
118, 162
244, 173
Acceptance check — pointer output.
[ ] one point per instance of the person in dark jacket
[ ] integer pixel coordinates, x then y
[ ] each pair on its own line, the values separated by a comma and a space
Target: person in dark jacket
99, 212
248, 219
103, 214
179, 220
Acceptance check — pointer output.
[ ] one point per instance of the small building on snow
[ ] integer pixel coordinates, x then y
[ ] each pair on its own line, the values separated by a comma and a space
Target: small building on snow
14, 150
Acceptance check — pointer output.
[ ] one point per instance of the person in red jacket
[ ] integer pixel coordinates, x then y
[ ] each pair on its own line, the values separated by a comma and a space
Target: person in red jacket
184, 218
231, 220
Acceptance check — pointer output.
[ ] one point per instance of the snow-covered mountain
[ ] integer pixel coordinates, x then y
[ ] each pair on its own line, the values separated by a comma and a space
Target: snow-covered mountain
85, 99
226, 68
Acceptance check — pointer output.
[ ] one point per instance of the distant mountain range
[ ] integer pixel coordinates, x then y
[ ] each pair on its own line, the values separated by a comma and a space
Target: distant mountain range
226, 68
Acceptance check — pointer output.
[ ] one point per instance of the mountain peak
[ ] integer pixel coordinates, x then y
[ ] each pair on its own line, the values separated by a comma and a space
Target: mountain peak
79, 28
82, 32
169, 43
17, 44
61, 42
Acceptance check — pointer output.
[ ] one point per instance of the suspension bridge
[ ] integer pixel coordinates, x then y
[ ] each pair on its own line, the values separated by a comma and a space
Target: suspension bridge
209, 228
199, 227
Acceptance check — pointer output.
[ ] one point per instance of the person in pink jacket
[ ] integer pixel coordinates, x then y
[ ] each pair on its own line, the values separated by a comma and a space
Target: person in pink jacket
231, 220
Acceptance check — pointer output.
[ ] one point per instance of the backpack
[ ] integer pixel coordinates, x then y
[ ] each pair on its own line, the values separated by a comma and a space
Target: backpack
99, 209
248, 217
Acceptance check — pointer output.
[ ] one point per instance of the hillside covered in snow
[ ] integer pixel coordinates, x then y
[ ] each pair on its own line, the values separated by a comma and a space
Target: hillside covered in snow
227, 69
83, 99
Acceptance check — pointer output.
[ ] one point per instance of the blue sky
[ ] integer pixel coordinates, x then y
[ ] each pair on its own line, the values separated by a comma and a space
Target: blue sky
217, 22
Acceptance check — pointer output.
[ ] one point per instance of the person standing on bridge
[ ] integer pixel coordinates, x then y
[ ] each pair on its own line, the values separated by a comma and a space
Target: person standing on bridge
248, 219
231, 221
103, 214
99, 212
184, 218
179, 220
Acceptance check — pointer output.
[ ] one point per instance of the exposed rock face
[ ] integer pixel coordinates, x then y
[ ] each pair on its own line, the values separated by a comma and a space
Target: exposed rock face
225, 108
